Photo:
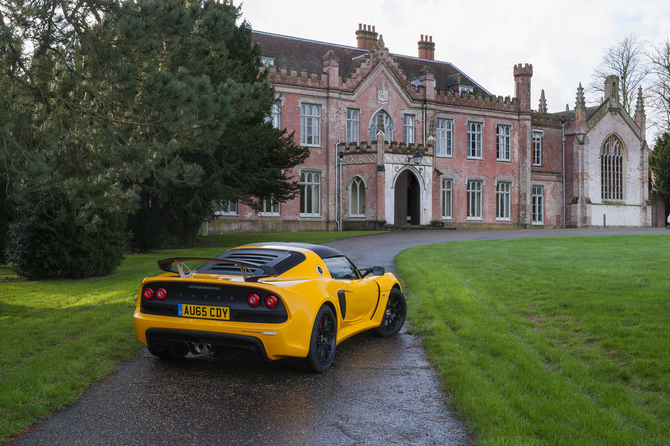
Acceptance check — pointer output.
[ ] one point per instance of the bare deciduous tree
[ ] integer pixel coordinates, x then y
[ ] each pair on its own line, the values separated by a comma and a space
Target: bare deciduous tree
660, 86
627, 60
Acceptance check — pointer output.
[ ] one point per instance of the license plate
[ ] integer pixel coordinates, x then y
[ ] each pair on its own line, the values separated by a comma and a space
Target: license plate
204, 312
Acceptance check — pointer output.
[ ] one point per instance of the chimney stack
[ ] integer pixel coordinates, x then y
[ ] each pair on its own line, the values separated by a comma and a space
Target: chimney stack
366, 36
426, 48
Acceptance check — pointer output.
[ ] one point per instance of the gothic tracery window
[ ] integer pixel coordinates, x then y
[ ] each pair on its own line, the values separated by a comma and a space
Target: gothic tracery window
611, 169
387, 122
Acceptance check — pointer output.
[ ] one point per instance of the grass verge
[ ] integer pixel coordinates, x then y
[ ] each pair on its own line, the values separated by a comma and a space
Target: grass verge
58, 337
549, 341
304, 237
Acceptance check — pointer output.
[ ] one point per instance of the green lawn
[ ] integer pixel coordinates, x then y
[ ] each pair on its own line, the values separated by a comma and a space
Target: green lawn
58, 337
303, 237
549, 341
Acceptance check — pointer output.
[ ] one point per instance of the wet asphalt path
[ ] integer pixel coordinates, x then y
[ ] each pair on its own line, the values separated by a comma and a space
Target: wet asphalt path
378, 391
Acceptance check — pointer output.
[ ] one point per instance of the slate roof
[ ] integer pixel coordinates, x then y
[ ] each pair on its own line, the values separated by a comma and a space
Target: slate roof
304, 54
570, 114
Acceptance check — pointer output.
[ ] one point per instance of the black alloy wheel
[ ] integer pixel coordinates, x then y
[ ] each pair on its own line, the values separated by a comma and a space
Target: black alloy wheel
325, 334
322, 343
394, 314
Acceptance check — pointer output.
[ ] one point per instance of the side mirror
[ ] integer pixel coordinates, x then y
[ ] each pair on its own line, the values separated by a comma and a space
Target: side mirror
375, 271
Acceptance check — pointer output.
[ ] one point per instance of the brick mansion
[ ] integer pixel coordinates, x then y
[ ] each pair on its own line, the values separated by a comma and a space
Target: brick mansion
410, 140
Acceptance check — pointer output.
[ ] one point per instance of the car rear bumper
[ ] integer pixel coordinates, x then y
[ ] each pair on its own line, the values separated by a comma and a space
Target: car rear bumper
268, 341
162, 339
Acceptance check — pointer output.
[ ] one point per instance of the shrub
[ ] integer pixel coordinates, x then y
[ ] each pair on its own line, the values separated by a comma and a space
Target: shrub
45, 241
149, 229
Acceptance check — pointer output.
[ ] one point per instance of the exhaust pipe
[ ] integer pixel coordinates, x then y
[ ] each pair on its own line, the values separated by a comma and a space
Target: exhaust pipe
202, 347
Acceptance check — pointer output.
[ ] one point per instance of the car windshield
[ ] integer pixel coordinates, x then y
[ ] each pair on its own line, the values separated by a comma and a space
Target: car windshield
341, 268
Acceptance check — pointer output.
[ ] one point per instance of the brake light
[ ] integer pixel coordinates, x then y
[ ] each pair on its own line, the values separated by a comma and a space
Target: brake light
148, 293
161, 293
271, 301
253, 300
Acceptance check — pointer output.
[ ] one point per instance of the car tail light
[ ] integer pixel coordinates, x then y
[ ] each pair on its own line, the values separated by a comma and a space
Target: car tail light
271, 301
161, 293
148, 293
253, 300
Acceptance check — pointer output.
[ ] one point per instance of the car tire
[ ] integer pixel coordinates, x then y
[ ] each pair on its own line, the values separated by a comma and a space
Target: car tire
322, 343
395, 314
171, 353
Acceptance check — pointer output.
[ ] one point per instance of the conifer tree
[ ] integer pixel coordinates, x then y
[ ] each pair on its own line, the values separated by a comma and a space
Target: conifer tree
659, 162
152, 107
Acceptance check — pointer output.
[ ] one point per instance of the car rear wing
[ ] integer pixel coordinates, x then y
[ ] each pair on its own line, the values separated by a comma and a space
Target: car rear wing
184, 271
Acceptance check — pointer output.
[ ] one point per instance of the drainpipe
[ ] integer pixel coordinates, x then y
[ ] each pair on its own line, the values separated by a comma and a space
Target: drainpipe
563, 148
338, 189
341, 157
424, 125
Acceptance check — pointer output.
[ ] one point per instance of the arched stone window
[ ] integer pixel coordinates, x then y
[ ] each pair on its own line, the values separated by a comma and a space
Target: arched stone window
389, 128
611, 169
357, 197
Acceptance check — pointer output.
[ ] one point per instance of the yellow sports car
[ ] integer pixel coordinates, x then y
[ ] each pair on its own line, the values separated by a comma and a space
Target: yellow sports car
276, 299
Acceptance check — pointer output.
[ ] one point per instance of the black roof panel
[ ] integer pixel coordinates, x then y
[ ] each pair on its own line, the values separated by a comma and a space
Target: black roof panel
322, 251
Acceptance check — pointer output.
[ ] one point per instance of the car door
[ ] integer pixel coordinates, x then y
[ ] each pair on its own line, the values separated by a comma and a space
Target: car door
358, 297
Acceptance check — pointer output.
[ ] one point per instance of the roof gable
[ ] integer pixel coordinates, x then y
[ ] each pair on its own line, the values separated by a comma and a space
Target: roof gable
598, 113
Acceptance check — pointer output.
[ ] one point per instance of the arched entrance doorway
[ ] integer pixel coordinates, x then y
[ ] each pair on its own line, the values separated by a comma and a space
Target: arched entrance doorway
407, 199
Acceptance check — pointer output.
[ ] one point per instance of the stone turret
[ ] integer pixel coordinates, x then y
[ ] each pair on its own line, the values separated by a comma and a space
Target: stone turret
612, 90
331, 67
640, 116
427, 81
542, 108
522, 75
580, 111
580, 182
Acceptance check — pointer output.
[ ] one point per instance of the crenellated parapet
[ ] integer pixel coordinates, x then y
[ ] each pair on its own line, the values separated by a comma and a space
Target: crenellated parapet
449, 97
291, 76
353, 148
402, 148
394, 147
523, 70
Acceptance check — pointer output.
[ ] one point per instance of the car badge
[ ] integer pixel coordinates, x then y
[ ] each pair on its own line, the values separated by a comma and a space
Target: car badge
319, 270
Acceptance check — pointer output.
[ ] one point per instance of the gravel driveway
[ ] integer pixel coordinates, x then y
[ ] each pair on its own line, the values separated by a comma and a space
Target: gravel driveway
378, 391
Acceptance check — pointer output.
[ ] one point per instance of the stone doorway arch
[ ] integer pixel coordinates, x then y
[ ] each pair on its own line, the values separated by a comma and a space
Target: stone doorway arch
407, 199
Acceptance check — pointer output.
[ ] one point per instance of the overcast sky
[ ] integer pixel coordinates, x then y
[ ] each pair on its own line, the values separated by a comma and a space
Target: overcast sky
564, 40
